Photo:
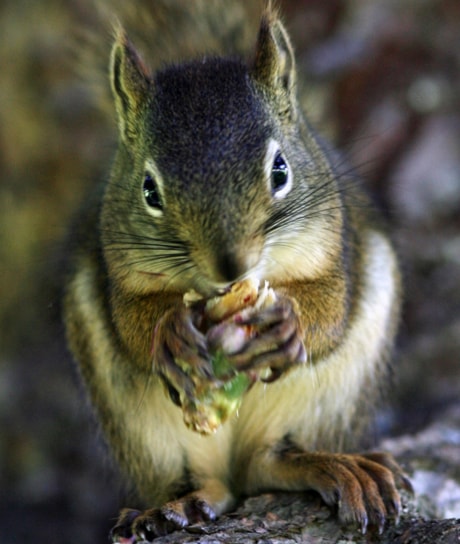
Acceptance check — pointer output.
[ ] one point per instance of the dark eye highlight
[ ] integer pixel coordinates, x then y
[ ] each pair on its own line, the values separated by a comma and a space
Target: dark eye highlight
280, 173
151, 192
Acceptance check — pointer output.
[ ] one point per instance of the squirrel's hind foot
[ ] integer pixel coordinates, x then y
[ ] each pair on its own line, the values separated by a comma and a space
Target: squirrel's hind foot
134, 526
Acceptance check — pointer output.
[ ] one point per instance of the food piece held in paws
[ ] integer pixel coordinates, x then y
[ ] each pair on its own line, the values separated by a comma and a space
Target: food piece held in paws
226, 333
214, 403
241, 295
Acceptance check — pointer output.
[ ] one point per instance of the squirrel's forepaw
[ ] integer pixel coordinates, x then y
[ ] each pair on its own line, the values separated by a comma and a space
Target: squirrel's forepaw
277, 343
134, 526
177, 339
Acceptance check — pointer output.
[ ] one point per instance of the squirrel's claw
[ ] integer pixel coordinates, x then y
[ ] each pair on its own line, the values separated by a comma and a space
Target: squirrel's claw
277, 343
135, 526
368, 490
122, 533
388, 461
362, 486
177, 339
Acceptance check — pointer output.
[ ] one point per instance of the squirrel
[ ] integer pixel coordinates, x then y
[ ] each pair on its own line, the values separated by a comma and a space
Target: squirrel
218, 176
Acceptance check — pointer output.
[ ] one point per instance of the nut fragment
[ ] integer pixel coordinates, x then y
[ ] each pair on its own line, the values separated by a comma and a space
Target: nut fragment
241, 295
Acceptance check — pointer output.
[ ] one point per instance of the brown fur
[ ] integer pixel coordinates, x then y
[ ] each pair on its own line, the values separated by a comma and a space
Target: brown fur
216, 220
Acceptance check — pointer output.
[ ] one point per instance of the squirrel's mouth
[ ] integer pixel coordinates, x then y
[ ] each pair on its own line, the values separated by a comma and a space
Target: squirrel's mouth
179, 283
208, 289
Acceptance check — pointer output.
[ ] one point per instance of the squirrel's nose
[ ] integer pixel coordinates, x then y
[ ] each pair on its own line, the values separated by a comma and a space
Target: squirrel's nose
230, 266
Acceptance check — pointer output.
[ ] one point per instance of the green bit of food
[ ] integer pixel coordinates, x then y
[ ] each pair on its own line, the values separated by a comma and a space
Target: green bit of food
234, 387
214, 404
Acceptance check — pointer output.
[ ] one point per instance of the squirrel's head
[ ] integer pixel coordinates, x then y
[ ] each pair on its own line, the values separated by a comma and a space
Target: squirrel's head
217, 176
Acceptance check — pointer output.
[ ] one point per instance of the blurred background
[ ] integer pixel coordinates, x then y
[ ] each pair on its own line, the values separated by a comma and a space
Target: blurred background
381, 79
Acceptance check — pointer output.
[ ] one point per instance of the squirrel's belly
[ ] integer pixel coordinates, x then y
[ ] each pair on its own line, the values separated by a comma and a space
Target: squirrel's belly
177, 450
315, 404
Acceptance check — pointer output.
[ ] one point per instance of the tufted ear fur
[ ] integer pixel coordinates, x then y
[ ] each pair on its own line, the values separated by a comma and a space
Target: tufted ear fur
130, 83
274, 64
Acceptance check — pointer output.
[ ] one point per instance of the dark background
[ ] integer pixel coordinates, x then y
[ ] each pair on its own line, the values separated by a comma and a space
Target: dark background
381, 80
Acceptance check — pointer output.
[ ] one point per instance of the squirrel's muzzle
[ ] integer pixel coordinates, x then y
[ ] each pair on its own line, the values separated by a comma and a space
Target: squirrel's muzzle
230, 264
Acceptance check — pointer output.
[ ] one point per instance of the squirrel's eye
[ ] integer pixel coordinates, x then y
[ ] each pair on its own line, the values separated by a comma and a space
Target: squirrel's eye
280, 174
151, 193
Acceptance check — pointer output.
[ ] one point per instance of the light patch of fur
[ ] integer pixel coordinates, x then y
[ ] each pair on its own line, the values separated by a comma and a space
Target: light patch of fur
150, 421
315, 403
297, 255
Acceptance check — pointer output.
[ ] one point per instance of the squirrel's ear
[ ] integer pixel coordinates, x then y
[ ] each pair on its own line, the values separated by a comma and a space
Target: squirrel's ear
274, 64
130, 85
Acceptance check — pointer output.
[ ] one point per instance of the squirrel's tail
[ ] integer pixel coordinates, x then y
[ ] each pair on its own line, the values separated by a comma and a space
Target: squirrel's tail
164, 31
169, 29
